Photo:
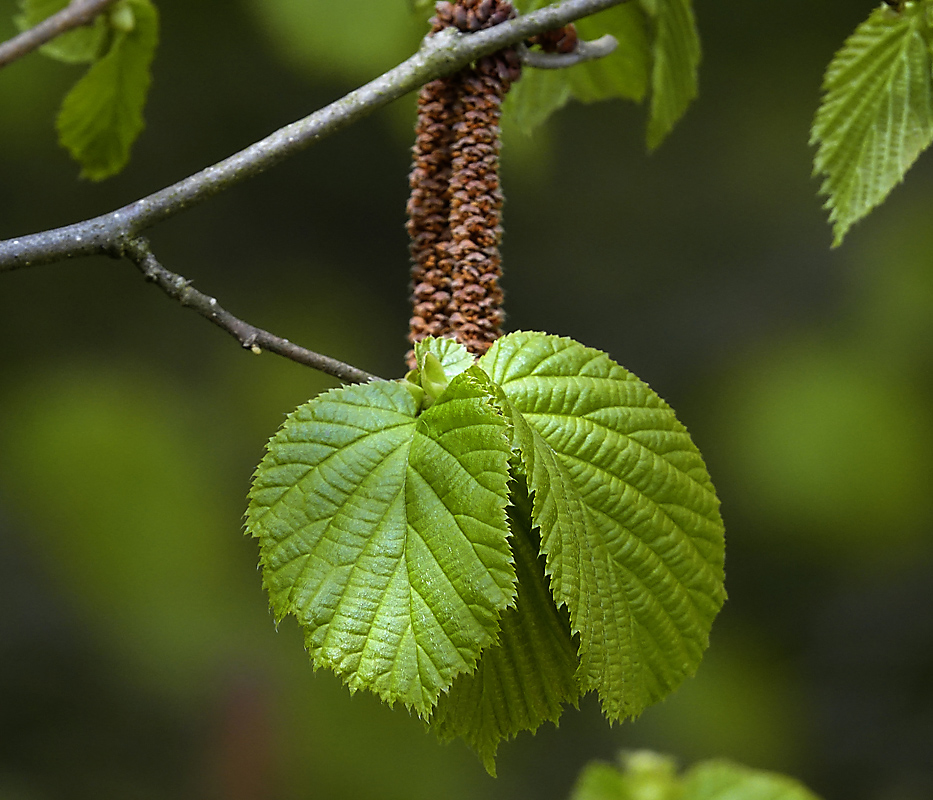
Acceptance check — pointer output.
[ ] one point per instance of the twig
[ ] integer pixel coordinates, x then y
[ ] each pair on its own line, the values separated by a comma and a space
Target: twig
117, 234
74, 15
584, 51
249, 336
442, 54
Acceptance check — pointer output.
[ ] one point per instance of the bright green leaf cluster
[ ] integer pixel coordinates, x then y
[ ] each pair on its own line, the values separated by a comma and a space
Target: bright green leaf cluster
485, 541
644, 775
876, 116
658, 55
101, 116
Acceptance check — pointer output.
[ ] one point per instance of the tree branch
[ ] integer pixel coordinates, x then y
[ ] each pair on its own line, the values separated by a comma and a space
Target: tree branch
117, 234
74, 15
584, 51
249, 336
440, 55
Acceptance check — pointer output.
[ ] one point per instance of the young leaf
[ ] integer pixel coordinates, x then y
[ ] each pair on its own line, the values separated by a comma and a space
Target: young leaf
453, 356
675, 54
722, 780
384, 533
877, 112
526, 677
101, 116
644, 774
629, 520
622, 74
78, 46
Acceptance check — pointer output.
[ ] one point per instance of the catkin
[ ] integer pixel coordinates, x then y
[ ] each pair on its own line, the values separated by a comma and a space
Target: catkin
455, 205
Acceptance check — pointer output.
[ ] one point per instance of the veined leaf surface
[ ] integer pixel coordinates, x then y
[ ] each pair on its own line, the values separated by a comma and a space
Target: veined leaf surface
526, 677
384, 532
877, 112
675, 55
629, 520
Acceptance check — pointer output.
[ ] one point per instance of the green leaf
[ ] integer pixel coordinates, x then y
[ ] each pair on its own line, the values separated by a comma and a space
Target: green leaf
644, 775
78, 46
876, 116
454, 358
526, 677
722, 780
629, 520
384, 533
675, 54
101, 116
622, 74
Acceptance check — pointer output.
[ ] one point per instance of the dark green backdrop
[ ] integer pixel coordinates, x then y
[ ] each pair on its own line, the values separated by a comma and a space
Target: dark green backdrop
137, 655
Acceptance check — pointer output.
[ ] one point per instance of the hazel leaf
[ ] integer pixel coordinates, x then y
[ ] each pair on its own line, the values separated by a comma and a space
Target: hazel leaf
78, 46
383, 531
876, 116
642, 774
629, 519
675, 55
527, 676
101, 116
622, 74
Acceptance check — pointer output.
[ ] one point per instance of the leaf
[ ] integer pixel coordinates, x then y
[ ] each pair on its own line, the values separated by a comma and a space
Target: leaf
876, 116
385, 533
675, 54
78, 46
629, 520
722, 780
526, 677
101, 116
622, 74
644, 775
453, 356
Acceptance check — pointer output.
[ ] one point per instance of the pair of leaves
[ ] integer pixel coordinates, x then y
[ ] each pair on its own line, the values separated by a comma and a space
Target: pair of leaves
648, 776
658, 56
876, 116
483, 542
101, 116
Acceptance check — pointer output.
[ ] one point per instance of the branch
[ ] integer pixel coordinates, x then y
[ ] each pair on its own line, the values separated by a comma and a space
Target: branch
74, 15
584, 51
249, 336
439, 55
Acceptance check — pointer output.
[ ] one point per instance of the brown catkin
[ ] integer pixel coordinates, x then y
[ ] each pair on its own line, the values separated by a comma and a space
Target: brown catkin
455, 204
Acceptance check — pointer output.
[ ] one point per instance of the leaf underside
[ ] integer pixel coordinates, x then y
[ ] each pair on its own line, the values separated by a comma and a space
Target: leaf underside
658, 54
101, 116
676, 60
528, 675
78, 46
629, 520
876, 115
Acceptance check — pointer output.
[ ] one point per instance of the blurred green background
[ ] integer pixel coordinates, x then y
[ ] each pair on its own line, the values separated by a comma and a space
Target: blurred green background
137, 655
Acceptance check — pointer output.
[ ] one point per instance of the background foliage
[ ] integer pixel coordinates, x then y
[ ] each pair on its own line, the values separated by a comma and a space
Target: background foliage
137, 658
